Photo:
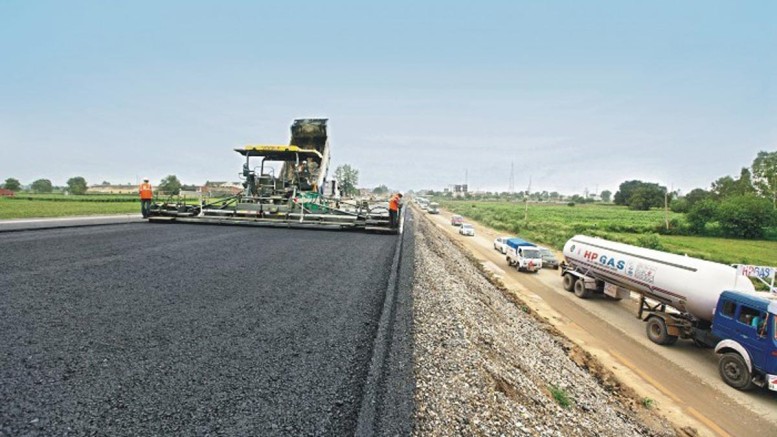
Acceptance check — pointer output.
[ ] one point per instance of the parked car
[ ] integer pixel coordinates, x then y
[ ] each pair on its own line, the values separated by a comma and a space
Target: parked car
467, 229
457, 220
500, 245
548, 258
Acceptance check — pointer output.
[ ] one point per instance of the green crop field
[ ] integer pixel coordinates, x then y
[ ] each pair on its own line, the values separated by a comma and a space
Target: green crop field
554, 224
16, 208
26, 205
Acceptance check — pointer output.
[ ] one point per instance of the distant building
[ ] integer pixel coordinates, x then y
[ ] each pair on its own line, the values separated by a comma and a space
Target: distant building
113, 189
460, 190
221, 188
6, 193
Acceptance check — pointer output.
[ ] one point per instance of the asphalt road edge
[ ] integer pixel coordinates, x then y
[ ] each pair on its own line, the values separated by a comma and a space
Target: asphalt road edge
61, 223
387, 406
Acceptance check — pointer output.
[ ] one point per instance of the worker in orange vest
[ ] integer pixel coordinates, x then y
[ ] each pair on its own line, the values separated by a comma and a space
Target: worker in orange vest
394, 210
145, 197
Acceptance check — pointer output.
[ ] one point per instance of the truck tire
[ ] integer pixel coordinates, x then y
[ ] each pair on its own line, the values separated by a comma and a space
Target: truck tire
733, 370
580, 290
656, 332
569, 281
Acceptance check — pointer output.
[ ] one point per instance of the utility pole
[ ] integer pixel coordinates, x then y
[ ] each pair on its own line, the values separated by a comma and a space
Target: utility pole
526, 202
666, 208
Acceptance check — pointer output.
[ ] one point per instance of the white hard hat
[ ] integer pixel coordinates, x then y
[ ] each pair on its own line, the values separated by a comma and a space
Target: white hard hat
145, 179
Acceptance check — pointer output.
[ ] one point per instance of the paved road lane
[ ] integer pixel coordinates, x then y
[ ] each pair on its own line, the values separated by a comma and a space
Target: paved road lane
142, 329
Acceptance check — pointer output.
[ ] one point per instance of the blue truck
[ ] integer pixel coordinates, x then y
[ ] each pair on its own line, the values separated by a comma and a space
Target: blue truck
523, 255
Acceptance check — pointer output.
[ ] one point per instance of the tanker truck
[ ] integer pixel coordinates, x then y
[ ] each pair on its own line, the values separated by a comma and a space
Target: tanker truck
687, 298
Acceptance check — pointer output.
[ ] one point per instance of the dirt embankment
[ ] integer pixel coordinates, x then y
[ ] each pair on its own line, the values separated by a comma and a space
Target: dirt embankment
485, 366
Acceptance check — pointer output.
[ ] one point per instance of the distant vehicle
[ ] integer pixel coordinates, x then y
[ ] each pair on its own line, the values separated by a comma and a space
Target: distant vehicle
433, 208
467, 229
500, 244
523, 255
457, 220
548, 258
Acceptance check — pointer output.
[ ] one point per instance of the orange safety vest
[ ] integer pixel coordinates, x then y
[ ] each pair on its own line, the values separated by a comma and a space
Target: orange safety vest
394, 203
145, 191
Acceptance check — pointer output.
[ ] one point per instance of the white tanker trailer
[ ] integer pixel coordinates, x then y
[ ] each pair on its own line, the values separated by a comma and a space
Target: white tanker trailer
686, 294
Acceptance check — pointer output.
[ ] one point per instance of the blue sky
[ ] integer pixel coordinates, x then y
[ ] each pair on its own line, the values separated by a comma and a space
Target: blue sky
576, 94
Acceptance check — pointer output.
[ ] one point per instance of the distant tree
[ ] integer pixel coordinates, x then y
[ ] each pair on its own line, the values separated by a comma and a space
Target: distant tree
554, 195
606, 195
382, 189
723, 187
347, 179
696, 195
745, 183
170, 185
624, 192
701, 213
42, 186
745, 216
105, 183
189, 187
765, 175
679, 204
640, 195
77, 185
12, 184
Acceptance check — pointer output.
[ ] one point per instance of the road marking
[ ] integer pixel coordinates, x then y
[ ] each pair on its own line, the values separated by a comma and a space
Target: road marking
644, 376
710, 424
692, 411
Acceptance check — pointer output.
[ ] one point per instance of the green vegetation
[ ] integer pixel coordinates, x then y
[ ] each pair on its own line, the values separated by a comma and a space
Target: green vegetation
648, 403
347, 179
170, 184
77, 185
13, 208
12, 184
560, 395
554, 224
42, 186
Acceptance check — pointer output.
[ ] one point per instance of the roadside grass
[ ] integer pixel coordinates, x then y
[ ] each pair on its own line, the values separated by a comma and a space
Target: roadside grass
58, 205
16, 209
561, 396
553, 225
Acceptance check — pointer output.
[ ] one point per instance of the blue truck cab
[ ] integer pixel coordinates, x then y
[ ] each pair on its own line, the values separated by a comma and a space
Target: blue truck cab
746, 324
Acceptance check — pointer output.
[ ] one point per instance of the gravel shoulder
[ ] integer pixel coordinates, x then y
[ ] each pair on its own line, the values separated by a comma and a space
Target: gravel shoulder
485, 366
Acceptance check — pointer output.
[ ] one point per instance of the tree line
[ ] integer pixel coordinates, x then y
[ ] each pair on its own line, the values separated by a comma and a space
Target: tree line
78, 185
742, 207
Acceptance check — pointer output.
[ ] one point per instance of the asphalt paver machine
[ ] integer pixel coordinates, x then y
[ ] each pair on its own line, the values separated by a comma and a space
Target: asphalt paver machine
283, 185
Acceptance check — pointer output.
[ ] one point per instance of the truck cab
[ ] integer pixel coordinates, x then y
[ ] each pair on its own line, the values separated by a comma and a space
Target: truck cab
746, 324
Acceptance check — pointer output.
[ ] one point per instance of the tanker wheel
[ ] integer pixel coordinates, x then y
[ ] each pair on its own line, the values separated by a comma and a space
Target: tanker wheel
656, 332
569, 281
733, 370
580, 290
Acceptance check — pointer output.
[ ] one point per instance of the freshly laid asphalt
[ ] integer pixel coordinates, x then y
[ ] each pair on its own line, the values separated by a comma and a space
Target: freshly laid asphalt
143, 329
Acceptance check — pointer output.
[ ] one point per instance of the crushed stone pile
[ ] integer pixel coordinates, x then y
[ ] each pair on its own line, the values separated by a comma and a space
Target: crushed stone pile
485, 366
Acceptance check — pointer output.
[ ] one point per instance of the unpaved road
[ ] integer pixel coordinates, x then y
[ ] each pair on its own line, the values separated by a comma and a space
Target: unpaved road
682, 380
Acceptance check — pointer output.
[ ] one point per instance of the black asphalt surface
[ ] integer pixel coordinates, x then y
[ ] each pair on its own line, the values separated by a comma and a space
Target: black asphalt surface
143, 329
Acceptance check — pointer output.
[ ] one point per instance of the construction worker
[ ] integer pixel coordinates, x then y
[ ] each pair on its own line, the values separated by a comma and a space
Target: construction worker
394, 210
145, 197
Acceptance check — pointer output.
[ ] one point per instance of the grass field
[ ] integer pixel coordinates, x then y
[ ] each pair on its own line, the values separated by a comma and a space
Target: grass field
553, 225
14, 209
